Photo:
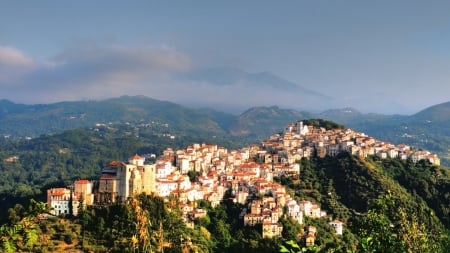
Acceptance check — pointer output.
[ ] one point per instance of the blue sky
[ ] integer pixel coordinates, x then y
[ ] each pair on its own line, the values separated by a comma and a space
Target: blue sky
375, 56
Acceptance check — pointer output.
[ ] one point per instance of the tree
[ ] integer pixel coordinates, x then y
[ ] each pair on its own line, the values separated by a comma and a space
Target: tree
412, 233
9, 237
376, 229
141, 238
20, 236
291, 228
292, 247
37, 207
388, 227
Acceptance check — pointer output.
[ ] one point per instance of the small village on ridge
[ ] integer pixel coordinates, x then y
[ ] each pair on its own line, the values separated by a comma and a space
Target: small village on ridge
212, 173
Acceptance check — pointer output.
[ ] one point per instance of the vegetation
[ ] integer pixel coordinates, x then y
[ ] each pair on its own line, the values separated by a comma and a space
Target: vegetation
427, 129
379, 213
387, 205
381, 203
19, 121
29, 167
328, 125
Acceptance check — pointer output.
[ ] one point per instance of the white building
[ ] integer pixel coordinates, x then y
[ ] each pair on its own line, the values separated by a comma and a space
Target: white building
338, 226
58, 200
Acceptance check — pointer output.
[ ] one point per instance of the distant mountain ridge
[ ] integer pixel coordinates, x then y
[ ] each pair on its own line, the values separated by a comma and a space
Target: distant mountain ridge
436, 113
260, 121
232, 76
41, 119
234, 90
429, 128
17, 118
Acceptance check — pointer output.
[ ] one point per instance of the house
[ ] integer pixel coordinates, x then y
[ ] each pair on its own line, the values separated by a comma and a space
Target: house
62, 201
252, 219
108, 191
83, 190
271, 230
338, 226
11, 159
310, 236
197, 213
164, 187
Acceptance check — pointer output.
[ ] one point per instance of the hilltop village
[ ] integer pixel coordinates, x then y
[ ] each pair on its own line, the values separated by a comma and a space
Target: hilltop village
245, 175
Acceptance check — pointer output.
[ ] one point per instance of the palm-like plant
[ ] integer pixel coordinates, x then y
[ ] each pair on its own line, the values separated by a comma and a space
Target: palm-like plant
292, 247
24, 234
9, 237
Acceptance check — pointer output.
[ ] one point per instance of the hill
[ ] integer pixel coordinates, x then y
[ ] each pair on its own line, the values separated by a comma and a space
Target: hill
436, 113
20, 120
427, 129
33, 120
349, 188
257, 122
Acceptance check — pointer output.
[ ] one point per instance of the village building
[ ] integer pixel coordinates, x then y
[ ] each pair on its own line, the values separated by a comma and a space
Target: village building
338, 226
62, 201
83, 189
135, 177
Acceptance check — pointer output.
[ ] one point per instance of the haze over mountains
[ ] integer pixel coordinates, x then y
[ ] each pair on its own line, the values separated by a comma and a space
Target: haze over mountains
235, 90
224, 88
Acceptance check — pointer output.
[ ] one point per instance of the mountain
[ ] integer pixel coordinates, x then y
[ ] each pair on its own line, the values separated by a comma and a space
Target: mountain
345, 186
33, 120
7, 107
341, 115
229, 76
428, 129
435, 114
258, 122
240, 90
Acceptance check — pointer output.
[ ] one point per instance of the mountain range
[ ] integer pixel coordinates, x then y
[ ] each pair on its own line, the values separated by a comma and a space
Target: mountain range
428, 129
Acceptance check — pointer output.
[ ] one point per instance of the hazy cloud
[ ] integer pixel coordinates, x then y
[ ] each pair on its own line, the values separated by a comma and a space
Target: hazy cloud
161, 72
89, 72
13, 65
97, 72
11, 57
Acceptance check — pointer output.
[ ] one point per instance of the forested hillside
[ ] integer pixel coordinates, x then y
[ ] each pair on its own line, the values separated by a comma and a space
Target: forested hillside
29, 167
386, 206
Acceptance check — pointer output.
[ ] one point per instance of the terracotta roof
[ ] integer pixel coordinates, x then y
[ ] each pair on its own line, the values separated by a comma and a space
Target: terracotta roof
107, 177
114, 163
82, 181
136, 157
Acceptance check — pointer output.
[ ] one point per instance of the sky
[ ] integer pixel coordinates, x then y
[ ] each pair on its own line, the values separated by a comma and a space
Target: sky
375, 56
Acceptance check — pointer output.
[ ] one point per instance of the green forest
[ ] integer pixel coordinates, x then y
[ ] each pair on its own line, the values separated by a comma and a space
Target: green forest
387, 205
59, 159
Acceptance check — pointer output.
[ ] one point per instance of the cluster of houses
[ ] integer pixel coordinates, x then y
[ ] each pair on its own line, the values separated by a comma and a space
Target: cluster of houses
299, 140
247, 174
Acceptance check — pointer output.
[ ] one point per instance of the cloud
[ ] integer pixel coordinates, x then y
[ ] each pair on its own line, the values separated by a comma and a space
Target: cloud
11, 57
97, 72
13, 65
161, 72
89, 72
